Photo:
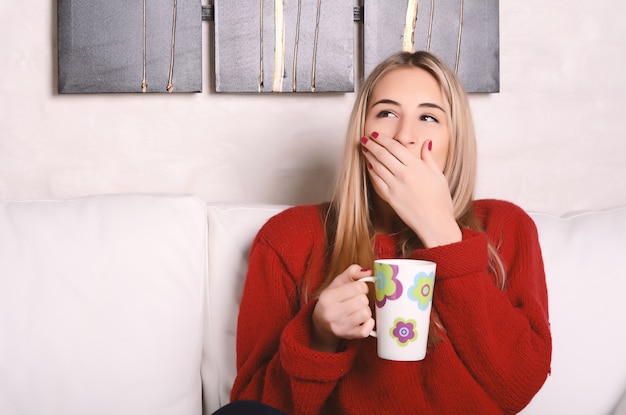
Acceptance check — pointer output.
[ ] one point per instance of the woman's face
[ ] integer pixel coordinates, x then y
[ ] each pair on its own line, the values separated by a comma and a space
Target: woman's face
406, 104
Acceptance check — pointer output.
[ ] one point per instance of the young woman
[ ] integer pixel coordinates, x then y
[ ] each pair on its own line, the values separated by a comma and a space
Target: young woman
404, 190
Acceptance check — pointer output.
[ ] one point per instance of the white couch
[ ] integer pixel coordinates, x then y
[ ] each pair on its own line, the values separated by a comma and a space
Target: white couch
127, 304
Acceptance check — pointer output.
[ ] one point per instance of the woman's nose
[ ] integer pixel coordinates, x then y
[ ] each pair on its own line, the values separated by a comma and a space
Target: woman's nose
406, 135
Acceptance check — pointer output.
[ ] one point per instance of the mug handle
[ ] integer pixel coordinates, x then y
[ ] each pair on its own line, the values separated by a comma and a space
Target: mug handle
370, 279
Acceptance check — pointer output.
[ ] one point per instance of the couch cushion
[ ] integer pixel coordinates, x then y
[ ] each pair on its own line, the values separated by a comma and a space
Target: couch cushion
585, 263
231, 232
101, 305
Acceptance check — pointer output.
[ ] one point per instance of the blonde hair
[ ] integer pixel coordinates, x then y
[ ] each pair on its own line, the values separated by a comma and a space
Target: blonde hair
348, 217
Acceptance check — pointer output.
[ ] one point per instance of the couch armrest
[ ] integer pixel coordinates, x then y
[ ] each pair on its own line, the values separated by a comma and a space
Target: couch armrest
101, 305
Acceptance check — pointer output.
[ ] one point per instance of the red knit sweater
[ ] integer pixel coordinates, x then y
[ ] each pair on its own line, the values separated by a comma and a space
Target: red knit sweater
495, 354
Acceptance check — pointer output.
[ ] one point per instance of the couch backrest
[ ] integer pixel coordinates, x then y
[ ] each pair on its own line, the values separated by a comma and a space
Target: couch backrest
231, 231
585, 263
101, 305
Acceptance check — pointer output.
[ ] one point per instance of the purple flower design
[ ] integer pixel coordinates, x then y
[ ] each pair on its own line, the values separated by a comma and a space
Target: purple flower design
388, 287
404, 331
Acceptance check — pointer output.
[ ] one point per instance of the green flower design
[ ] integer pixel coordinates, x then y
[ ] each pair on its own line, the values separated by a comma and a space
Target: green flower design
422, 291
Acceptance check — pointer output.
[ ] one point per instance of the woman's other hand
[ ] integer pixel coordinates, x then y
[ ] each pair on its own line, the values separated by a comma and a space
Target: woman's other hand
415, 188
407, 121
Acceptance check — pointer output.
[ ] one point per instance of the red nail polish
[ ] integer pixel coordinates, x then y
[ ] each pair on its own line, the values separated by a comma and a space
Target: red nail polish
369, 165
364, 149
365, 270
374, 134
430, 145
364, 140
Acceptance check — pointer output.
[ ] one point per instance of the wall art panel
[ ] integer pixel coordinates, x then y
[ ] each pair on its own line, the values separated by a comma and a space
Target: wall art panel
464, 33
284, 46
129, 46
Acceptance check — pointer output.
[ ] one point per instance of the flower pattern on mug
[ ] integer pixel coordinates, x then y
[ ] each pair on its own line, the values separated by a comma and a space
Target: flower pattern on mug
387, 285
404, 331
422, 291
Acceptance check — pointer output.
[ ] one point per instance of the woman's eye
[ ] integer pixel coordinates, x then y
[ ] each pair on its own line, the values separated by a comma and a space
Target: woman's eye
428, 118
385, 114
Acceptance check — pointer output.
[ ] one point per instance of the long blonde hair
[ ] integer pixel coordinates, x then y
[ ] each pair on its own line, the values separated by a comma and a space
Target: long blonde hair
348, 217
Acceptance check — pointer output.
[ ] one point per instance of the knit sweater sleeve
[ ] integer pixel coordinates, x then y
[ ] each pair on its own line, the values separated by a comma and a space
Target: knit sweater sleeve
275, 364
502, 337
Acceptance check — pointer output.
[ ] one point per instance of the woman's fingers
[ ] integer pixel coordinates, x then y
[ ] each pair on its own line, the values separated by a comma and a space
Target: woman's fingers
343, 307
390, 153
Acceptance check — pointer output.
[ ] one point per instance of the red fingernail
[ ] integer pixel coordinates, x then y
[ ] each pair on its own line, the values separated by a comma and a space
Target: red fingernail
364, 149
365, 270
364, 140
369, 165
430, 145
374, 134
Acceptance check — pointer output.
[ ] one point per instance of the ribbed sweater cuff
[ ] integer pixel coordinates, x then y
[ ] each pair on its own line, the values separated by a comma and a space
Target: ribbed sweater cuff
300, 361
457, 259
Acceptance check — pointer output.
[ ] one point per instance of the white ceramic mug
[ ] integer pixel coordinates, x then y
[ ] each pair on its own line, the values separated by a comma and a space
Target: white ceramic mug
404, 291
